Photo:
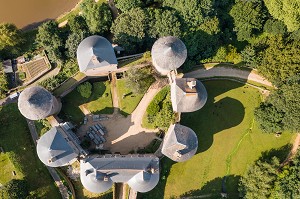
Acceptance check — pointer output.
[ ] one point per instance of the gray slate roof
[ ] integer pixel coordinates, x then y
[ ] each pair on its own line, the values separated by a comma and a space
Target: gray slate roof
141, 172
96, 52
186, 99
180, 143
36, 103
168, 53
55, 148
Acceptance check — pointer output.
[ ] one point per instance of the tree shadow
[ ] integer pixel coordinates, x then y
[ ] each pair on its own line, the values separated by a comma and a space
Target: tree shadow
281, 153
214, 188
215, 116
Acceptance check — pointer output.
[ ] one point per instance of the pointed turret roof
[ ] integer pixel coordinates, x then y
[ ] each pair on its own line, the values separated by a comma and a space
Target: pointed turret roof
96, 52
168, 53
188, 95
180, 143
35, 103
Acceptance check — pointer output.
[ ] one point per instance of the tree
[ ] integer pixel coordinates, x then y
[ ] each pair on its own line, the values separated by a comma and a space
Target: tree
249, 17
3, 82
77, 23
163, 23
274, 27
269, 118
192, 12
50, 37
9, 35
73, 42
126, 5
259, 179
280, 59
129, 29
286, 11
85, 89
17, 189
98, 17
138, 79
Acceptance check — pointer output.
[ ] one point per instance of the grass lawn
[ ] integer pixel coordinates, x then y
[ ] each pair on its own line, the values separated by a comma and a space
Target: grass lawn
100, 102
229, 141
130, 100
97, 103
18, 146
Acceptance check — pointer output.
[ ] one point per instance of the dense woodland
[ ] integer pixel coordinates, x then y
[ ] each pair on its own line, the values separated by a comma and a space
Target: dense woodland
260, 34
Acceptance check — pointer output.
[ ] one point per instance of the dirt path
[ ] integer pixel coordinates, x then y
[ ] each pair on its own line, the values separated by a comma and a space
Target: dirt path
114, 92
229, 72
293, 150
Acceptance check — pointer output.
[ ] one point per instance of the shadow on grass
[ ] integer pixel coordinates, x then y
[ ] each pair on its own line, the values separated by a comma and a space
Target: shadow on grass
215, 116
215, 187
281, 153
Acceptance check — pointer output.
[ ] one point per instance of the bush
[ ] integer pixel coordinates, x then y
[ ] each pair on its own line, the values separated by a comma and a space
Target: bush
85, 89
17, 189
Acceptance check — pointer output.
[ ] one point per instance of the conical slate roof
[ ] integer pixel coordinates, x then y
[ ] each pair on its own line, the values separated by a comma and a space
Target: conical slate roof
180, 143
141, 172
36, 103
168, 53
96, 52
188, 95
54, 148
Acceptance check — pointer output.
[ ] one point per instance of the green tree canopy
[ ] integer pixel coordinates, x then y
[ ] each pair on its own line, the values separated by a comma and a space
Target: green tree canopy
50, 37
138, 79
98, 17
163, 23
17, 189
3, 82
126, 5
192, 12
249, 17
77, 23
287, 11
85, 89
9, 35
129, 29
73, 42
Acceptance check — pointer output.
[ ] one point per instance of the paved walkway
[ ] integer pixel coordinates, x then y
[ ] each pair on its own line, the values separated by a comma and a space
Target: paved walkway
229, 72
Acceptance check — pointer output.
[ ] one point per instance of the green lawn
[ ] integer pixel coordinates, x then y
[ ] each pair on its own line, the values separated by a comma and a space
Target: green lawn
19, 148
100, 102
229, 141
128, 100
97, 103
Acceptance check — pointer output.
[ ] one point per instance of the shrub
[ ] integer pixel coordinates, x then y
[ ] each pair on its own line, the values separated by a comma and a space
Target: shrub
17, 189
85, 89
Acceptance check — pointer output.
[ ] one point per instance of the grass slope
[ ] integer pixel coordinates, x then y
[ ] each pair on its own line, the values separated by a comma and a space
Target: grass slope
229, 141
18, 146
97, 103
128, 100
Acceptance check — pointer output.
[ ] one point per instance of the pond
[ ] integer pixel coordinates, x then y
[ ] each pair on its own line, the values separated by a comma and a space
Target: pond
30, 13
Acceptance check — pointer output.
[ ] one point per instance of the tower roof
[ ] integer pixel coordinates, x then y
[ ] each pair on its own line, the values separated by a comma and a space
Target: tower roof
168, 53
187, 95
141, 172
180, 143
35, 103
55, 148
96, 52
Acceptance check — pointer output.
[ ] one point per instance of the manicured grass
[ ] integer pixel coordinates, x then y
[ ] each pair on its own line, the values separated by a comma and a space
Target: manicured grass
97, 103
7, 168
18, 146
128, 100
229, 141
101, 101
82, 193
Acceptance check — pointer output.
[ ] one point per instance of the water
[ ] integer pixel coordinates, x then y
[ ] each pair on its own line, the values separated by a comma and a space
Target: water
29, 13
